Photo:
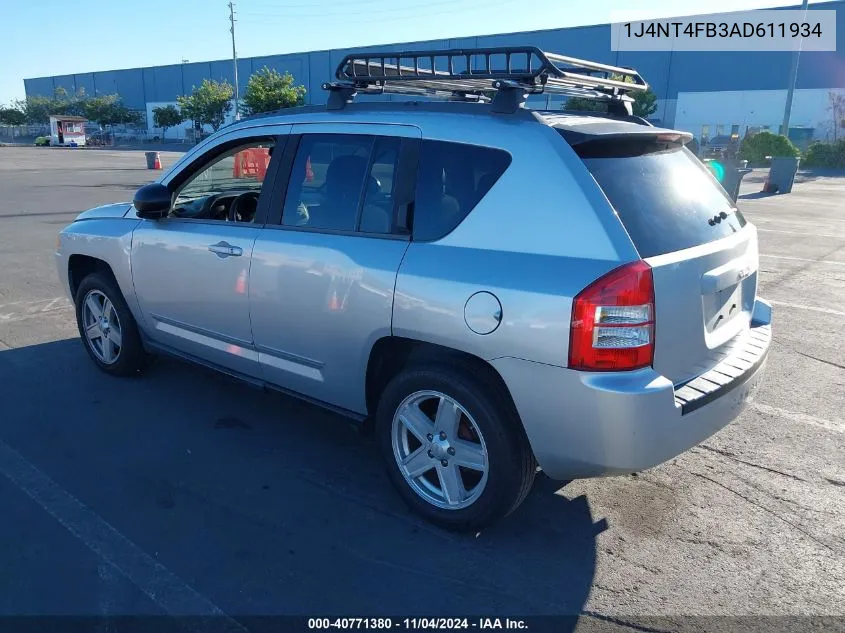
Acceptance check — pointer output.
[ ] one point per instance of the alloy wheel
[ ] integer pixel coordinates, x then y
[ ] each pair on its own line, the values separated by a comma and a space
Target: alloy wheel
102, 327
440, 450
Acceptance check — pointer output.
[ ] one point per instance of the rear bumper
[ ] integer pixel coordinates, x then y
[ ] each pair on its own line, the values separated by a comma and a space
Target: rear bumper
584, 424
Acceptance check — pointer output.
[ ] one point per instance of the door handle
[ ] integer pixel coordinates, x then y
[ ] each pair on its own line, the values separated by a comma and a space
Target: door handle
224, 249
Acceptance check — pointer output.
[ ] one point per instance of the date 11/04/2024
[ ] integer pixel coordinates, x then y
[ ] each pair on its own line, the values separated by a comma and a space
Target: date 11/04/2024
418, 624
722, 29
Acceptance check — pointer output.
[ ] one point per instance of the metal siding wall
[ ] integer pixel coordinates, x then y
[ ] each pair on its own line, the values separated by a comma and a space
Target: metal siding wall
129, 84
721, 71
709, 71
86, 82
163, 83
319, 70
589, 42
193, 74
64, 81
244, 71
653, 66
825, 69
293, 64
222, 71
41, 86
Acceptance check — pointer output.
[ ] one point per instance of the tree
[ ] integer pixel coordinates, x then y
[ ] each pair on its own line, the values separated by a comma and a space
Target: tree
582, 104
644, 105
69, 104
11, 115
757, 147
165, 117
209, 104
836, 107
108, 111
267, 90
36, 109
830, 155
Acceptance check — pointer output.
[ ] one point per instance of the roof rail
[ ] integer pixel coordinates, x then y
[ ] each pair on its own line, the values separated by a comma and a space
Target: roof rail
503, 75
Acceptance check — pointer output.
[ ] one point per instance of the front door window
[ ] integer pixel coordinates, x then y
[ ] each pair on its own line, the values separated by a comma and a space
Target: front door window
228, 188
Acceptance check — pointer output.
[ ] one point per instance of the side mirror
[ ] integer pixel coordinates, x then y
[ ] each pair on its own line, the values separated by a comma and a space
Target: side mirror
152, 201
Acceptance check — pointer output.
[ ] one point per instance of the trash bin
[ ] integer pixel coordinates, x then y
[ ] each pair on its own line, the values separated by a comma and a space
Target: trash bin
735, 171
729, 173
781, 174
153, 160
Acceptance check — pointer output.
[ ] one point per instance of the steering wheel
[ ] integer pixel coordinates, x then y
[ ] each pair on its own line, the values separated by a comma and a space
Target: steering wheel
240, 211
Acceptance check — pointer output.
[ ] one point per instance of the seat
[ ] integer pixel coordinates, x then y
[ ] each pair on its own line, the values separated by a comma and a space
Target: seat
341, 193
432, 198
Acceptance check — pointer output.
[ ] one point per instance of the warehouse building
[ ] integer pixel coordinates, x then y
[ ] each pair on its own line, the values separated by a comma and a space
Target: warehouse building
707, 93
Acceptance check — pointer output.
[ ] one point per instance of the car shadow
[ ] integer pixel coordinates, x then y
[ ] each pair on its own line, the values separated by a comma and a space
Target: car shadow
272, 505
756, 195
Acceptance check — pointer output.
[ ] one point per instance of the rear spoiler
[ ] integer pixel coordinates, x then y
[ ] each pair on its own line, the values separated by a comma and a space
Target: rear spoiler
579, 130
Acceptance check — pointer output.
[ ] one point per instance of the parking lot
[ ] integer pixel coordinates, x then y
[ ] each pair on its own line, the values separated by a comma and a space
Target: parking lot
183, 492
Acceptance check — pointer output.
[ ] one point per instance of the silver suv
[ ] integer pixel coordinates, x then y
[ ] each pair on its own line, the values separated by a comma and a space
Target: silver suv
496, 288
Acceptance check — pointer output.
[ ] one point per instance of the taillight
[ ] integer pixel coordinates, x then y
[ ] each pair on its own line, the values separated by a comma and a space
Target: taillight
613, 321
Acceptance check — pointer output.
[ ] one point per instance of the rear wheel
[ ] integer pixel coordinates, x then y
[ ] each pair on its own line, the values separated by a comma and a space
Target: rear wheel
107, 327
453, 447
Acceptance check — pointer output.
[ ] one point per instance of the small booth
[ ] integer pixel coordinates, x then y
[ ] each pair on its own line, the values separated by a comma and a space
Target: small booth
67, 130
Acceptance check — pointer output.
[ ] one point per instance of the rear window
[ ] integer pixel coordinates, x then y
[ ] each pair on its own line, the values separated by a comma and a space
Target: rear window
452, 178
665, 197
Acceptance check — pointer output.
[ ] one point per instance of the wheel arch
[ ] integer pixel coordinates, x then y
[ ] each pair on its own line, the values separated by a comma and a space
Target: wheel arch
80, 266
389, 355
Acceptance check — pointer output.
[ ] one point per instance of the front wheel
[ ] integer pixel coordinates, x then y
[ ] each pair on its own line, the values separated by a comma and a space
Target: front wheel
453, 446
107, 327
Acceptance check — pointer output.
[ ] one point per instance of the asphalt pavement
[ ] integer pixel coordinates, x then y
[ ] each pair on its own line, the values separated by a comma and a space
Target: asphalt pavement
184, 493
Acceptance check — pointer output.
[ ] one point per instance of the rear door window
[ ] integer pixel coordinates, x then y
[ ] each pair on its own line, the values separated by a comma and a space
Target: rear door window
452, 178
665, 197
343, 182
327, 181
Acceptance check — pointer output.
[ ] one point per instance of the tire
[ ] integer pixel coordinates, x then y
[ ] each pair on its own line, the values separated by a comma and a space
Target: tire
128, 358
489, 435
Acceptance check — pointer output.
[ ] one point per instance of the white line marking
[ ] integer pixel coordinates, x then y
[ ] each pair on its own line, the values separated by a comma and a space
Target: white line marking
52, 304
27, 309
150, 576
758, 216
831, 425
841, 237
32, 302
801, 306
11, 317
804, 259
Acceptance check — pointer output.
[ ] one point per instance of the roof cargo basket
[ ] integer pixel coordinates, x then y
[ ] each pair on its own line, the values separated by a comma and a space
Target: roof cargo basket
505, 76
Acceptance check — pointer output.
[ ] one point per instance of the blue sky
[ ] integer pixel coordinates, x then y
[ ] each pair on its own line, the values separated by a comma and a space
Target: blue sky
104, 34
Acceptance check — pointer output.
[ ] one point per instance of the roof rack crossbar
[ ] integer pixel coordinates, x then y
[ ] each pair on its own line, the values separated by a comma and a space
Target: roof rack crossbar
480, 73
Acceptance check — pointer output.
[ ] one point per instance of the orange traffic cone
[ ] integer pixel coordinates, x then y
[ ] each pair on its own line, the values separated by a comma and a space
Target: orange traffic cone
157, 163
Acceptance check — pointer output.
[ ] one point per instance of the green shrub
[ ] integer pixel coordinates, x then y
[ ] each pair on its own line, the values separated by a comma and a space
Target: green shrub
831, 155
755, 148
693, 146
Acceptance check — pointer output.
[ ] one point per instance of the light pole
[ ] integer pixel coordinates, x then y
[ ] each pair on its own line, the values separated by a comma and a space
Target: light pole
793, 78
234, 57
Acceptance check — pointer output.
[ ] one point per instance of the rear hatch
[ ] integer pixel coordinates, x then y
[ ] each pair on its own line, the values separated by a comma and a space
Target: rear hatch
702, 252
